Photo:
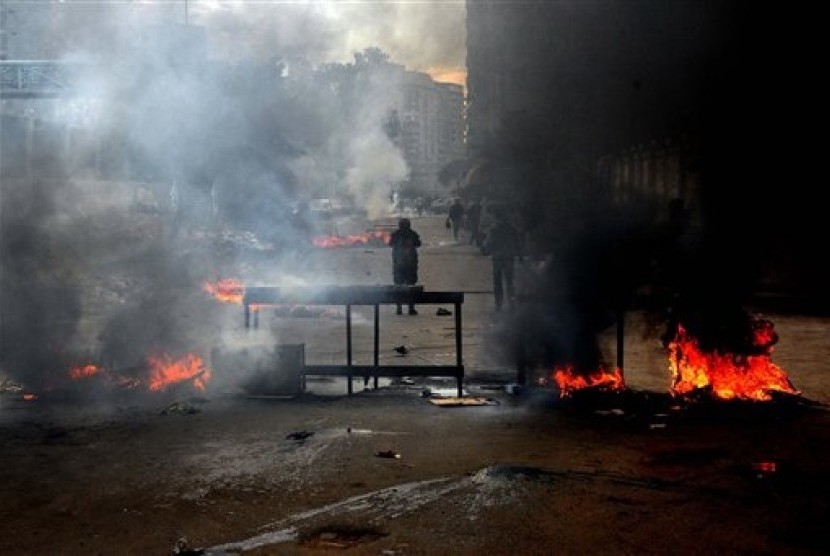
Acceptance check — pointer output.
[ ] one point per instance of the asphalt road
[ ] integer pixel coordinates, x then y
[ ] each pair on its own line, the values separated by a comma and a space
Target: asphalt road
221, 471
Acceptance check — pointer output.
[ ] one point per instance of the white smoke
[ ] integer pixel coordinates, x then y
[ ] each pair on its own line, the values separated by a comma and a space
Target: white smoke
245, 121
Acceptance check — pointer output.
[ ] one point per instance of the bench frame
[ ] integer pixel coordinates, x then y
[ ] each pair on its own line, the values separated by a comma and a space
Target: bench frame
374, 296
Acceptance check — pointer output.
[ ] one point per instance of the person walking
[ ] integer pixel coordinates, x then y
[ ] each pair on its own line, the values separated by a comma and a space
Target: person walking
504, 246
456, 217
405, 242
473, 222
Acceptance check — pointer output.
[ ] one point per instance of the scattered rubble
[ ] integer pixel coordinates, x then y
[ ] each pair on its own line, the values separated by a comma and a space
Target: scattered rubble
179, 408
8, 385
459, 402
299, 435
342, 538
181, 548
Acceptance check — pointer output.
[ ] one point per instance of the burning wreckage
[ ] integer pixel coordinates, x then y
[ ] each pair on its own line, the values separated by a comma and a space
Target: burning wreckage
730, 361
717, 352
732, 368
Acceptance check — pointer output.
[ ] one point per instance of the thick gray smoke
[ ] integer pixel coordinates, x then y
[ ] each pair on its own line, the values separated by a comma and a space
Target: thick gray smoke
424, 37
185, 139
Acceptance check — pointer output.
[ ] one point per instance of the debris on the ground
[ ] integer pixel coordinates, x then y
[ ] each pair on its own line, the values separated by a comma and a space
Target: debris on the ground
299, 435
7, 385
458, 402
179, 408
340, 538
441, 312
401, 349
444, 393
181, 548
513, 389
388, 454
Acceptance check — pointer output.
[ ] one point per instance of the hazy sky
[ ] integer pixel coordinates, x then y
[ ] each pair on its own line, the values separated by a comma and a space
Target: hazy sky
426, 36
422, 35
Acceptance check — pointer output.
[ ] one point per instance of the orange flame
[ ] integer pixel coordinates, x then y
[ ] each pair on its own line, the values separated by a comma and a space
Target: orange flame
226, 290
166, 371
569, 381
748, 377
29, 397
84, 371
374, 237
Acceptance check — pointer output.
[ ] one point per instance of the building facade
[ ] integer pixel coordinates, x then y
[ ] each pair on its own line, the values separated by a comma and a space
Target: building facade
606, 104
432, 128
553, 87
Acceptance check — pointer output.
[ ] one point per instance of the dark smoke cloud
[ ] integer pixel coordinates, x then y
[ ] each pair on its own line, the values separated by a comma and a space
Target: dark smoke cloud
623, 74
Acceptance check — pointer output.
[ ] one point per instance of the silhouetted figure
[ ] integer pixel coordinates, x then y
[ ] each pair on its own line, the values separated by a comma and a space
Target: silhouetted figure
405, 242
473, 222
504, 246
456, 217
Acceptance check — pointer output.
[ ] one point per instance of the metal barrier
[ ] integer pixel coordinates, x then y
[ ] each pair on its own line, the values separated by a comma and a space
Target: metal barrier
363, 295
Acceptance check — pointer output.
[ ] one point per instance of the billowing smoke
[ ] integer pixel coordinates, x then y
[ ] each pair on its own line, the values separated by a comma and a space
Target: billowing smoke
194, 138
622, 77
430, 39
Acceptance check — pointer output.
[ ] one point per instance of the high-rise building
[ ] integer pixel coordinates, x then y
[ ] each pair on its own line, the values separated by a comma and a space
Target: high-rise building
431, 128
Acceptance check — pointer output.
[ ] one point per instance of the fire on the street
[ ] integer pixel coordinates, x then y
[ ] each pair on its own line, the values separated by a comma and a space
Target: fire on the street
84, 371
728, 375
166, 371
372, 237
226, 290
568, 380
748, 374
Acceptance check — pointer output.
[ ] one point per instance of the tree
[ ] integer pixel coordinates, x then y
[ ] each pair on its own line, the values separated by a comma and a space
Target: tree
371, 56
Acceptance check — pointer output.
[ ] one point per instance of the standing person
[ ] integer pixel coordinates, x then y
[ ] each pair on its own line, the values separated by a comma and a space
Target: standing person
405, 242
456, 217
504, 246
473, 222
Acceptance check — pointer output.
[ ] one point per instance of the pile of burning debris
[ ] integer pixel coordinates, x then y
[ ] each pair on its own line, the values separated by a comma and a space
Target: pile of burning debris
377, 236
161, 373
709, 382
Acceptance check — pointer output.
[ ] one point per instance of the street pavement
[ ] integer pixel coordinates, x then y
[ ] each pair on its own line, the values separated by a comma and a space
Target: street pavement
448, 265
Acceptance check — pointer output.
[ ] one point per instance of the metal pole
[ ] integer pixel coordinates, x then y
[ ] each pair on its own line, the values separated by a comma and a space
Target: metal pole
620, 339
377, 343
349, 346
458, 357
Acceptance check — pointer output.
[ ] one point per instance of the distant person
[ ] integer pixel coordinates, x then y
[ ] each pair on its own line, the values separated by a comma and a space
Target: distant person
504, 246
473, 222
456, 217
405, 242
